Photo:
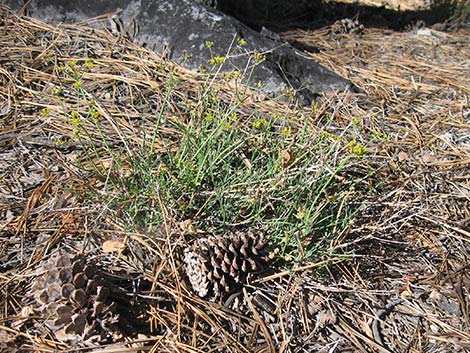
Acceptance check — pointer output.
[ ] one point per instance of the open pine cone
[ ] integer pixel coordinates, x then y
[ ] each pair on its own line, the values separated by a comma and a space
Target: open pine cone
218, 265
347, 26
74, 301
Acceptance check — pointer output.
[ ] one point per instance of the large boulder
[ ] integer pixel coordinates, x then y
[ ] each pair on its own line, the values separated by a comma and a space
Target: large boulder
267, 13
182, 28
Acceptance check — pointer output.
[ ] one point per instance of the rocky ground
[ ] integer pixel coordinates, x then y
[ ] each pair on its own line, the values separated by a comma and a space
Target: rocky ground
397, 281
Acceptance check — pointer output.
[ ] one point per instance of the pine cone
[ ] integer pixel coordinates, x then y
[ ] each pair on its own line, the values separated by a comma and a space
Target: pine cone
348, 26
69, 293
218, 265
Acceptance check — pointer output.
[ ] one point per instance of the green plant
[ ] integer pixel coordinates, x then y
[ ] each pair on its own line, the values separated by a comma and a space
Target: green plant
227, 173
259, 173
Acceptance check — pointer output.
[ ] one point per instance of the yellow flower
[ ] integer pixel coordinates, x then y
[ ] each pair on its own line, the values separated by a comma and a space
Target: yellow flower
356, 121
286, 130
72, 64
301, 213
357, 149
241, 42
95, 115
260, 123
77, 85
259, 57
217, 60
327, 135
209, 117
288, 92
186, 56
75, 118
48, 57
45, 112
89, 63
232, 75
210, 44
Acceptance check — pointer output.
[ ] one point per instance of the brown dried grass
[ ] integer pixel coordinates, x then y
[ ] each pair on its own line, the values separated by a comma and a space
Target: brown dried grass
405, 289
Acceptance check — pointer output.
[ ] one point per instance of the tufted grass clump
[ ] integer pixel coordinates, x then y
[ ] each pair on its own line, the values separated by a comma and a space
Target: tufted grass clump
257, 173
220, 168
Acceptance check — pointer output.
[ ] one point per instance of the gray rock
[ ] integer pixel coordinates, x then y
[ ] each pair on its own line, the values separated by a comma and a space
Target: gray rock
183, 27
265, 12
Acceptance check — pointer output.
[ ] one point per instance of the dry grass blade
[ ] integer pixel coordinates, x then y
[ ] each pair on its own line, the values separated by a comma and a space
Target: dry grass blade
68, 90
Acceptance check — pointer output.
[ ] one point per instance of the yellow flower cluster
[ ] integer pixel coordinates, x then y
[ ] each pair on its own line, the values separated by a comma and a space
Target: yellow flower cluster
241, 42
217, 60
75, 118
261, 123
357, 149
259, 57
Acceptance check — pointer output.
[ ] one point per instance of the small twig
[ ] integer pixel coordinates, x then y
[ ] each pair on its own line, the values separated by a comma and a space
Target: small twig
297, 269
260, 322
379, 316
